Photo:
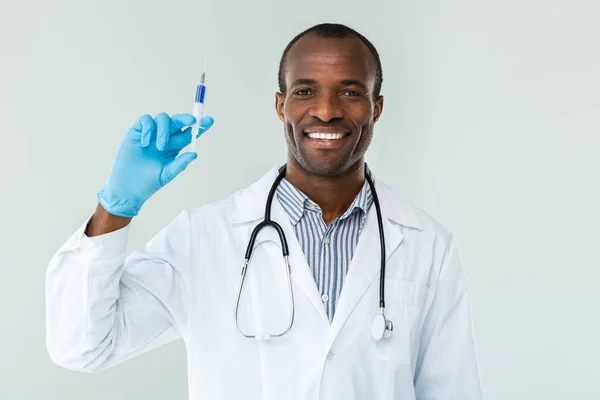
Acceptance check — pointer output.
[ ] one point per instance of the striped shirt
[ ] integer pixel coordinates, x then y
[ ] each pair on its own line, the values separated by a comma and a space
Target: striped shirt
328, 249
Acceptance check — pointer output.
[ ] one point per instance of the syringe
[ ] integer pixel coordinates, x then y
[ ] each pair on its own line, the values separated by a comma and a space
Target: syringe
198, 107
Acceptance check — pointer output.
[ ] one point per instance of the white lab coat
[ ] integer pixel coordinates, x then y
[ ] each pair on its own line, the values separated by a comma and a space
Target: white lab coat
104, 308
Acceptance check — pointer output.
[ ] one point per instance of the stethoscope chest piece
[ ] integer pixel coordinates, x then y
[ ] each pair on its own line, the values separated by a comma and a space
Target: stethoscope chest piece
381, 328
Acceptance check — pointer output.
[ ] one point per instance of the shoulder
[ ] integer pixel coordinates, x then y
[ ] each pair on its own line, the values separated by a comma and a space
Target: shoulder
427, 240
244, 205
219, 210
404, 211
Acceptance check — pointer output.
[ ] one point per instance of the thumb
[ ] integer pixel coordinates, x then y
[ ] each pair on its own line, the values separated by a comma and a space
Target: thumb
175, 167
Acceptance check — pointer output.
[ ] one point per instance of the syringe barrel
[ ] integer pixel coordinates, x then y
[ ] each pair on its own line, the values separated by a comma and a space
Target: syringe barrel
200, 93
197, 112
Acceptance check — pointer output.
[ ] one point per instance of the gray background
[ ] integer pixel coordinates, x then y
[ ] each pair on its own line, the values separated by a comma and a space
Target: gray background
491, 123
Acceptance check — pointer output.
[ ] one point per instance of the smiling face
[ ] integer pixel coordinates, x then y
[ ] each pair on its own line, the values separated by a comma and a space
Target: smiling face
328, 109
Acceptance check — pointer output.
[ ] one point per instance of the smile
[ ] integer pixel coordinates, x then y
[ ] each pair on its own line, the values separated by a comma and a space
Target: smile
326, 136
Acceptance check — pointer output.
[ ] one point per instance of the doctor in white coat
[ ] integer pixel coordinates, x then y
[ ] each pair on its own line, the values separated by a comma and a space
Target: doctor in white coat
104, 307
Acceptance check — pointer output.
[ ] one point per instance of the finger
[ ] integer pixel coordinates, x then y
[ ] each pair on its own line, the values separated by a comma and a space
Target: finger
137, 126
175, 167
163, 130
205, 124
136, 131
180, 140
179, 121
148, 129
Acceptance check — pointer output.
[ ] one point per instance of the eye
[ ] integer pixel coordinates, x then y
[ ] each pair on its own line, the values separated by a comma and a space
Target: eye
302, 92
352, 93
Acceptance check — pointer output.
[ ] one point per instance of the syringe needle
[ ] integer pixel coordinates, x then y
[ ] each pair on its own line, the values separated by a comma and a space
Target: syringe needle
204, 70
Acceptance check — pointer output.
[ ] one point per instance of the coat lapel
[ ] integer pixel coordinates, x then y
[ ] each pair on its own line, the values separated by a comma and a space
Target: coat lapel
364, 269
366, 264
250, 211
301, 274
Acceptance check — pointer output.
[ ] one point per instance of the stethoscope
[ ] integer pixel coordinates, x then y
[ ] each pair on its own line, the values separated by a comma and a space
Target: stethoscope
381, 327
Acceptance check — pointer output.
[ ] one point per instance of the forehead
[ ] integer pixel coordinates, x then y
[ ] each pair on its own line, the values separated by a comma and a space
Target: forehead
315, 57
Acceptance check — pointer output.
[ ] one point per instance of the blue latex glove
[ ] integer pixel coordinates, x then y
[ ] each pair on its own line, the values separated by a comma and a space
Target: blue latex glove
147, 160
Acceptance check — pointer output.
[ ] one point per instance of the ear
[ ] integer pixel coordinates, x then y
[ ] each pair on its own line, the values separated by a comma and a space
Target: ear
279, 102
378, 108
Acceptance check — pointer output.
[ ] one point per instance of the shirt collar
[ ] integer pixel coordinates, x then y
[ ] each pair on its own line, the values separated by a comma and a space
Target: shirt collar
248, 203
295, 203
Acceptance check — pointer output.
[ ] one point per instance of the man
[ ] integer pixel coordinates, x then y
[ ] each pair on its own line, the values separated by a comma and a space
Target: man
104, 308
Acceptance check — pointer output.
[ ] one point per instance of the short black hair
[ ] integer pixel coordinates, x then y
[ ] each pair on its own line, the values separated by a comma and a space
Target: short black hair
328, 30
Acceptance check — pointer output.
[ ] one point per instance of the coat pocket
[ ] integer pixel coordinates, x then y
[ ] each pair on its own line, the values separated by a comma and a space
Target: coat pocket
406, 303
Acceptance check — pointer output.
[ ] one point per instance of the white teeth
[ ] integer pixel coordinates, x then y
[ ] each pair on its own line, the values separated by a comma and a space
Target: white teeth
326, 136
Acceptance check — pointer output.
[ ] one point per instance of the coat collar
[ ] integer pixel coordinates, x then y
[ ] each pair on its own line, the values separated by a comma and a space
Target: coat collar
296, 204
250, 202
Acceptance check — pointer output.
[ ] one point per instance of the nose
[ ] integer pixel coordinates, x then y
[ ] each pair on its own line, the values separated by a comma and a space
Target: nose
327, 107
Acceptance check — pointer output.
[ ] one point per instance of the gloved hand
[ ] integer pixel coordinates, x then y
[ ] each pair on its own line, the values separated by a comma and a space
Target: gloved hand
147, 160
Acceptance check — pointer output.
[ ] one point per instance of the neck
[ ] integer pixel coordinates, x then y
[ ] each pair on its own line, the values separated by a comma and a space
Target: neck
334, 194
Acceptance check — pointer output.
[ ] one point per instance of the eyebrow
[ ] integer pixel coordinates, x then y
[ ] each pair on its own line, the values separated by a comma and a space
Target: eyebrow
303, 81
351, 82
345, 82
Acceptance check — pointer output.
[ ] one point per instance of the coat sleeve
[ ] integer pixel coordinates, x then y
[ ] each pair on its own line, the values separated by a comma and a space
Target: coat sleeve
103, 308
447, 365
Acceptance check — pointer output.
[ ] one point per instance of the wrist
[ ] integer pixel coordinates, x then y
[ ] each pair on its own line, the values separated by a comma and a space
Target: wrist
103, 222
118, 206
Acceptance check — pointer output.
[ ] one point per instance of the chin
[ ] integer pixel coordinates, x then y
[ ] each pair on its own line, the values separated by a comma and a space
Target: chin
325, 169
